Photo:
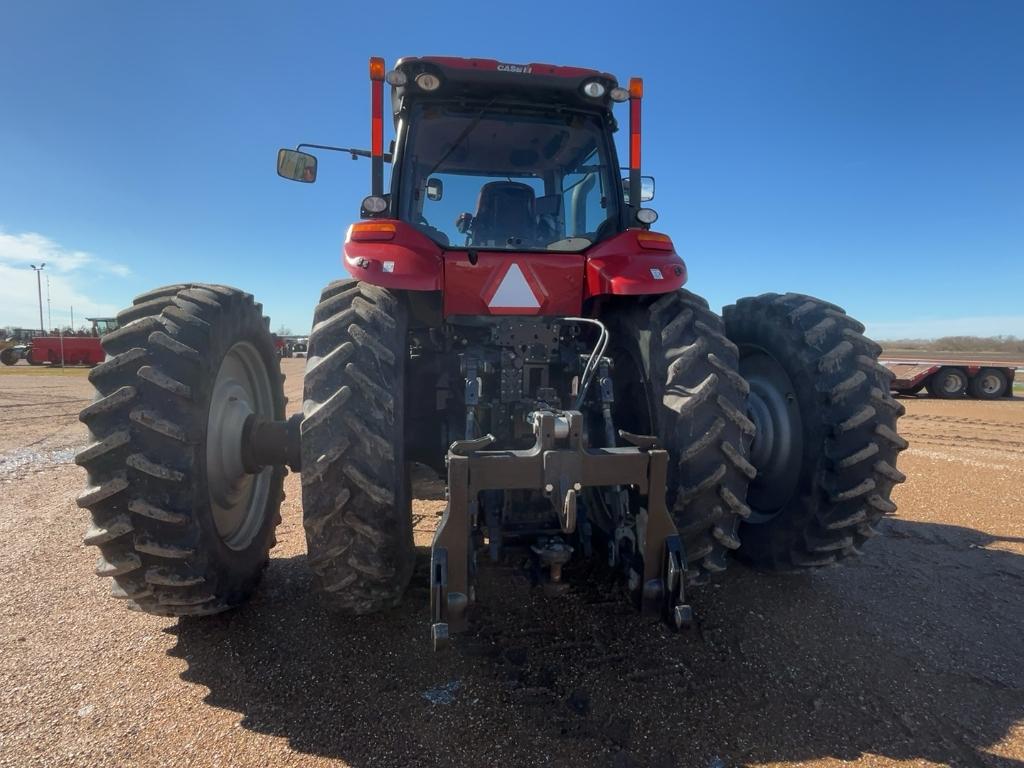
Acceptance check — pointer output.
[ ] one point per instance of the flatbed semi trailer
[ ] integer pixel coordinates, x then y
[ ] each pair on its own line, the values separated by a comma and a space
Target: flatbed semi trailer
949, 378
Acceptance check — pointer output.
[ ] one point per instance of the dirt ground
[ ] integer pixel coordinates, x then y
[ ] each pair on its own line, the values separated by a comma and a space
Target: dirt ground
912, 655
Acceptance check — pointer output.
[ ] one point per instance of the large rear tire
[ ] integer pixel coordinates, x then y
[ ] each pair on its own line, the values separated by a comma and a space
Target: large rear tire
356, 496
8, 356
675, 376
180, 529
826, 442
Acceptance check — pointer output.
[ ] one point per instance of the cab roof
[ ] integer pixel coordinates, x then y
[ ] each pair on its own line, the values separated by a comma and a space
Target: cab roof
462, 78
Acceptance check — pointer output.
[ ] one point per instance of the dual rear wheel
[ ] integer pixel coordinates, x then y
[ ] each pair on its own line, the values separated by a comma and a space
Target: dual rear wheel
779, 422
952, 382
825, 443
182, 528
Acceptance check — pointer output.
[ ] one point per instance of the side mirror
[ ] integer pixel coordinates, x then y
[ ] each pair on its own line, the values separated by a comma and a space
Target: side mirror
435, 189
646, 189
295, 165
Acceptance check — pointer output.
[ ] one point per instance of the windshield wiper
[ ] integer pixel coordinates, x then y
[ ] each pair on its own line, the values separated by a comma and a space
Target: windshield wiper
462, 137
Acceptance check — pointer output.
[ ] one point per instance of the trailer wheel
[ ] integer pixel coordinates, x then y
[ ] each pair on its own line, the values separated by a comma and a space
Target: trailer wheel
356, 496
988, 384
28, 357
947, 383
180, 526
675, 376
826, 442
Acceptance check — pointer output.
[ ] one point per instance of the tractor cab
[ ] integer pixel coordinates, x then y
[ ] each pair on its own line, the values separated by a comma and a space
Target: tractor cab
101, 326
506, 193
503, 157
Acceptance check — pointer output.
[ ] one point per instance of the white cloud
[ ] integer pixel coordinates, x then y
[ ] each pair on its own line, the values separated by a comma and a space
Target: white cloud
33, 248
936, 327
65, 268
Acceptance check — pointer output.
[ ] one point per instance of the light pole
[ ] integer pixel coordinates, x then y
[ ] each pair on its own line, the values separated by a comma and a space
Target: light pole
39, 287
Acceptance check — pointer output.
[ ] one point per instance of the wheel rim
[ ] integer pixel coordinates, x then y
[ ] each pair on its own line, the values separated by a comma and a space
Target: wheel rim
777, 448
991, 384
237, 499
952, 383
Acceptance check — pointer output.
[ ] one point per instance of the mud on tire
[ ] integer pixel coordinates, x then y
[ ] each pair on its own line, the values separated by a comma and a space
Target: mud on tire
827, 444
152, 514
676, 376
355, 492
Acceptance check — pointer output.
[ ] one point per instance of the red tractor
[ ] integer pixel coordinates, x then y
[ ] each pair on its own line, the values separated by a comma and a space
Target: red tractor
512, 322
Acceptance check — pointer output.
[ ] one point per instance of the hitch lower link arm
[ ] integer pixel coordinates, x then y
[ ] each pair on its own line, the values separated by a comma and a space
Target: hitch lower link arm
561, 472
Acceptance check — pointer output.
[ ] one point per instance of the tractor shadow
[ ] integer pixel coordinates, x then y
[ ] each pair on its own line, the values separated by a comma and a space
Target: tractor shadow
911, 653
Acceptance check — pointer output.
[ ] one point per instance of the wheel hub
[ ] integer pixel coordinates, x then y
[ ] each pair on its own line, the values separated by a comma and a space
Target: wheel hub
237, 498
777, 449
951, 383
991, 384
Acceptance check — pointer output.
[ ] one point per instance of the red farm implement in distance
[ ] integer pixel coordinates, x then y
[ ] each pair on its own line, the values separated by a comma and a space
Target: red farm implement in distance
71, 349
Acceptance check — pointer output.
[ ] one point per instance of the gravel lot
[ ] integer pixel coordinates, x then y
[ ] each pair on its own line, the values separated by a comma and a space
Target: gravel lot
912, 655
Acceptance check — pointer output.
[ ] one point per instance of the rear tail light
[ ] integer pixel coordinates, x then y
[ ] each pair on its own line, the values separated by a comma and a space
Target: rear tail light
371, 231
654, 241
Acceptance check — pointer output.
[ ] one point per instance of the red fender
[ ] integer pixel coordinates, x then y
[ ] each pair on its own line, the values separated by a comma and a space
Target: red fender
393, 254
634, 263
403, 259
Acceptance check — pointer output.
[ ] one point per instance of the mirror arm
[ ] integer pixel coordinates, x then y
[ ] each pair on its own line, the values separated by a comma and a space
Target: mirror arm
356, 153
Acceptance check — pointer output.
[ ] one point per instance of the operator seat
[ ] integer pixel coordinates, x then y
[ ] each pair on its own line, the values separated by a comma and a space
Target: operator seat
505, 210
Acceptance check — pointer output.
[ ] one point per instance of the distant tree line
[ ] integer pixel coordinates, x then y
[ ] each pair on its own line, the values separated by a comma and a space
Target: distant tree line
1001, 344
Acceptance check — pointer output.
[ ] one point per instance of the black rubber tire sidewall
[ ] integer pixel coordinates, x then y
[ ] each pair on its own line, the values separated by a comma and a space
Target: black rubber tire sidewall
711, 516
974, 387
161, 366
936, 389
360, 546
236, 567
842, 396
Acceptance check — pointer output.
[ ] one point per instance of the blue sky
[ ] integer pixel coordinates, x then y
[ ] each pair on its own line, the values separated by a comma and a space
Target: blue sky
868, 152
